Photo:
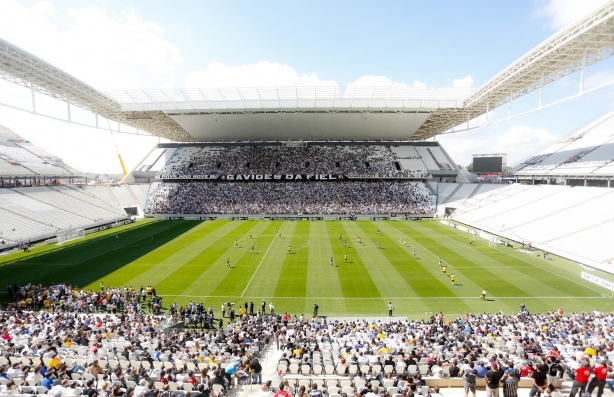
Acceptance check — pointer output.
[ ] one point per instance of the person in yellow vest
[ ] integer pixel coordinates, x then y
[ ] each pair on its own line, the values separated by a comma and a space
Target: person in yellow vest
452, 278
54, 361
444, 270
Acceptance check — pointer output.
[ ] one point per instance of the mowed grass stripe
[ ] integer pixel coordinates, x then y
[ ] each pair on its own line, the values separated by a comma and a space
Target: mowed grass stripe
395, 279
539, 278
293, 277
490, 277
114, 265
264, 281
244, 264
39, 264
354, 277
163, 267
322, 278
204, 272
347, 290
423, 271
426, 274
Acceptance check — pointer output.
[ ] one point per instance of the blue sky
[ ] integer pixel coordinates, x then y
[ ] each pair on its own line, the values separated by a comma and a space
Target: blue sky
161, 44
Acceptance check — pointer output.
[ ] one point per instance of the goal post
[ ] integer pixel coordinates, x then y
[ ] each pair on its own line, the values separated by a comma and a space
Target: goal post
70, 235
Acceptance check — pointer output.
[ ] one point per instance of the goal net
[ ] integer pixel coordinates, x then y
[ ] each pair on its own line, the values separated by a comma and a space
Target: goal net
71, 235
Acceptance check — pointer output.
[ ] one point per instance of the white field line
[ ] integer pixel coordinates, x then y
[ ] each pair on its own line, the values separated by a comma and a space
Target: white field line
261, 260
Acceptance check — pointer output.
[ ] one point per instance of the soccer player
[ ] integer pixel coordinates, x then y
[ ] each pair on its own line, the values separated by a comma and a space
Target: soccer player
345, 258
483, 295
252, 248
377, 232
228, 262
413, 253
332, 263
378, 245
345, 243
250, 235
440, 262
452, 278
444, 270
236, 243
279, 234
340, 236
289, 249
404, 243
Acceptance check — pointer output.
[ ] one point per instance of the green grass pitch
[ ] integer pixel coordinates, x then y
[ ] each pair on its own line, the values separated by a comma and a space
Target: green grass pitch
187, 260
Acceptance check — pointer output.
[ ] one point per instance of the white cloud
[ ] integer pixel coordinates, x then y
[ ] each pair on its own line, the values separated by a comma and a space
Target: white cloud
561, 13
465, 82
518, 142
261, 74
375, 81
108, 51
418, 84
599, 78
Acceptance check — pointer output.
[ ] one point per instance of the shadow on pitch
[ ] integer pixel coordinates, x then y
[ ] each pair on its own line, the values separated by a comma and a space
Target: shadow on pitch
87, 261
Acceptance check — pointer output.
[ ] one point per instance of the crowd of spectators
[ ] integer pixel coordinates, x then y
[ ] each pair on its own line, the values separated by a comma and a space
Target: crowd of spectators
70, 352
358, 161
342, 197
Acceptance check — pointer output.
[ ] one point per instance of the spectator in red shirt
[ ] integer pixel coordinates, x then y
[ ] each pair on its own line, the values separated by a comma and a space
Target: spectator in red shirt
191, 379
526, 371
281, 392
601, 373
581, 379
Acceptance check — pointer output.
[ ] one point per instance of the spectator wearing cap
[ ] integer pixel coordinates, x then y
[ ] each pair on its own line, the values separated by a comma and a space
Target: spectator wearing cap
598, 382
510, 383
493, 377
581, 379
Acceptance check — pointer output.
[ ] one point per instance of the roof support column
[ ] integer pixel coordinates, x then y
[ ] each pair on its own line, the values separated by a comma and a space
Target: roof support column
541, 92
509, 112
582, 71
33, 99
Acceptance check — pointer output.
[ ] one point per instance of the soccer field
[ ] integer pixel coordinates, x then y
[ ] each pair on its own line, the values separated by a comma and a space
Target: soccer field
290, 267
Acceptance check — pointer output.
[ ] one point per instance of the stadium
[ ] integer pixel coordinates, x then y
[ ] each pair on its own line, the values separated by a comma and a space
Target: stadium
321, 230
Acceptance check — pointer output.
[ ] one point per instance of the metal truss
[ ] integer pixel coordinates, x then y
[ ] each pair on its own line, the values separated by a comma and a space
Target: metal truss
27, 70
574, 48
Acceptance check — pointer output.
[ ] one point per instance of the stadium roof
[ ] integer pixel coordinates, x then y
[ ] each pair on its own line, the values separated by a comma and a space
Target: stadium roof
386, 113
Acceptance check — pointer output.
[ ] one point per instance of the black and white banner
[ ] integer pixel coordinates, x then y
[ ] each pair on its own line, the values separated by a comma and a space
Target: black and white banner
267, 177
